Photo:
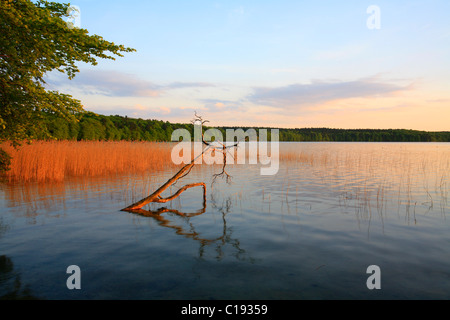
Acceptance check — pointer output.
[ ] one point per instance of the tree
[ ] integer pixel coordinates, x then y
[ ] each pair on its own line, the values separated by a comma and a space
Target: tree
91, 129
34, 40
156, 197
58, 128
5, 161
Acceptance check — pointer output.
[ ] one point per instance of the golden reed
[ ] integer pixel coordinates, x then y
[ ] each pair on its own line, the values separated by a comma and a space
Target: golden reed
55, 161
45, 161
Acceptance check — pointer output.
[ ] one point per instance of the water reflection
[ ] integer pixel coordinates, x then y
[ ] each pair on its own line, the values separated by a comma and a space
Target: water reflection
164, 222
11, 287
342, 194
227, 239
3, 227
217, 243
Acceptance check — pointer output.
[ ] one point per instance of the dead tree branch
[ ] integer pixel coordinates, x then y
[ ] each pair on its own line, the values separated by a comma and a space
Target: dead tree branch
223, 173
155, 197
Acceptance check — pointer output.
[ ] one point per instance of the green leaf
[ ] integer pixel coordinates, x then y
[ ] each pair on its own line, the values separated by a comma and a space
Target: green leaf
34, 40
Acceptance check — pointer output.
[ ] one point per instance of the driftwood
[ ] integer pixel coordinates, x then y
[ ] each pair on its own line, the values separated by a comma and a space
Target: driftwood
155, 197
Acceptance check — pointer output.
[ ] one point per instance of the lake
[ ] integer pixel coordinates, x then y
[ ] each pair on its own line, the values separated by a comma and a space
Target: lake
309, 232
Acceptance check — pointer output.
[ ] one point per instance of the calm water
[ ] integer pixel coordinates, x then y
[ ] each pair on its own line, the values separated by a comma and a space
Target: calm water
309, 232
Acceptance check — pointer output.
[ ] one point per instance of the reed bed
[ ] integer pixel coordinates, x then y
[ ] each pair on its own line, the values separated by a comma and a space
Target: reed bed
357, 172
370, 179
55, 161
305, 157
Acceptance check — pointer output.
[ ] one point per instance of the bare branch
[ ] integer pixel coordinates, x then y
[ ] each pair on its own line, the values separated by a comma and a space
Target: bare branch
199, 118
156, 197
180, 191
223, 173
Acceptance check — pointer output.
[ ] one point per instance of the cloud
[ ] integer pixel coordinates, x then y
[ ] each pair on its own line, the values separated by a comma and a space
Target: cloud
216, 105
114, 84
182, 85
118, 84
141, 110
319, 92
136, 110
163, 110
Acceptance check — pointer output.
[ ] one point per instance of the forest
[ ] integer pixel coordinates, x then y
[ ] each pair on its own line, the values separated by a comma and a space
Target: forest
95, 127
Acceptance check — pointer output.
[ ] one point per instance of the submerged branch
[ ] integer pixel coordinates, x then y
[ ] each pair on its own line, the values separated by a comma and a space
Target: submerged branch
155, 197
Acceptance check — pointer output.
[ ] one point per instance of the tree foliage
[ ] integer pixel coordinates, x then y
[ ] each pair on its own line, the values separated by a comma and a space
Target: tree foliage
93, 126
34, 40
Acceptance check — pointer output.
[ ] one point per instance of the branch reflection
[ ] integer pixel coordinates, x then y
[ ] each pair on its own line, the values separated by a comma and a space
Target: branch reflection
218, 243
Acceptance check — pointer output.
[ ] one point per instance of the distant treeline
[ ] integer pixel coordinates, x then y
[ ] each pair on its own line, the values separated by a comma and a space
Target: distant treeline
114, 128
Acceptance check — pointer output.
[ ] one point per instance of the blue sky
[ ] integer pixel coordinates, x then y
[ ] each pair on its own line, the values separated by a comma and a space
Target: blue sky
271, 63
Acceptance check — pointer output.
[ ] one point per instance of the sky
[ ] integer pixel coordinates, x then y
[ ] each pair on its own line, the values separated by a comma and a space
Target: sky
347, 64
